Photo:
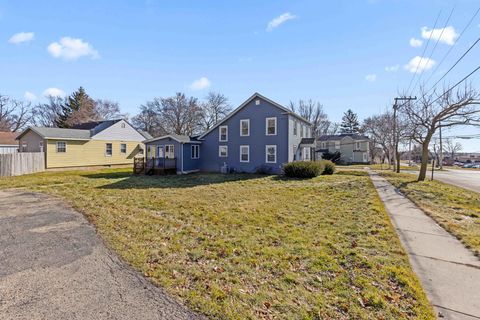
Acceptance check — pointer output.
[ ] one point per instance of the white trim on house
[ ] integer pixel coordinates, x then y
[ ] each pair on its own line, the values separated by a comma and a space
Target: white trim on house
220, 151
121, 145
266, 126
255, 95
266, 153
248, 153
106, 149
220, 134
171, 151
57, 148
248, 127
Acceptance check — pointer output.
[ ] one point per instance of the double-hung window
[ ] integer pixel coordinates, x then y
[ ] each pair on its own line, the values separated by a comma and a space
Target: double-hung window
244, 127
271, 154
337, 145
123, 148
223, 133
61, 146
223, 151
108, 149
195, 151
301, 130
271, 126
244, 153
169, 151
357, 145
24, 147
295, 128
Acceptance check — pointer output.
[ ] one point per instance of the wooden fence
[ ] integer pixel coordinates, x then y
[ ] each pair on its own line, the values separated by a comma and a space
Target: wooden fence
16, 164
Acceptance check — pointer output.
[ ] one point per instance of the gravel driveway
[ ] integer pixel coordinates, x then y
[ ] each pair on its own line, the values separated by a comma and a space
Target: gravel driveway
54, 266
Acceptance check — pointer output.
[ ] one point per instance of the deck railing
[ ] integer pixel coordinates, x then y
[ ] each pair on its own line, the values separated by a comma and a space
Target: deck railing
154, 165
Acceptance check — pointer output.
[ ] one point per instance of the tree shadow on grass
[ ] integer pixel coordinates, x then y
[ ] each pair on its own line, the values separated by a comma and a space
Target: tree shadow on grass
130, 181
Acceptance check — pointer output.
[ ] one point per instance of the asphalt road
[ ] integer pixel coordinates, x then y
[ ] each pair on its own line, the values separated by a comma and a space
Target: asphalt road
54, 266
468, 179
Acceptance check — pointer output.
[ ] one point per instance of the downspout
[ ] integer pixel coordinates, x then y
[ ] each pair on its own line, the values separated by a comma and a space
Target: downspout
181, 172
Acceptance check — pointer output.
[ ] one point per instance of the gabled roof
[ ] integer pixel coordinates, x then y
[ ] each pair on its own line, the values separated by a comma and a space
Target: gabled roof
58, 133
8, 138
336, 137
254, 96
145, 134
307, 141
177, 137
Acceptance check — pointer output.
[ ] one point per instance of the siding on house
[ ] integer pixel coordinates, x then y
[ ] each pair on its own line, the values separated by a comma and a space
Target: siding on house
33, 142
90, 153
350, 152
257, 140
116, 132
182, 152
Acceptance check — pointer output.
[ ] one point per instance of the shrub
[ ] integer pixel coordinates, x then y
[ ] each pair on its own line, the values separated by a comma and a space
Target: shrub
303, 169
332, 156
329, 167
263, 169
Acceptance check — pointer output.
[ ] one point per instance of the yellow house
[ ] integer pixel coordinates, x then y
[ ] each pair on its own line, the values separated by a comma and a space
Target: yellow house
102, 143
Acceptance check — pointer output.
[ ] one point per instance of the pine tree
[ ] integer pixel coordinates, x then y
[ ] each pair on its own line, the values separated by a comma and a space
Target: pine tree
349, 122
77, 108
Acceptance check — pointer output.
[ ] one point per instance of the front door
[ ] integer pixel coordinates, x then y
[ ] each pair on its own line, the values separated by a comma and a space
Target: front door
160, 153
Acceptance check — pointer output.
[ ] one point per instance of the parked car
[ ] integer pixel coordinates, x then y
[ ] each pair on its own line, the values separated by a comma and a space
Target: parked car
476, 166
468, 165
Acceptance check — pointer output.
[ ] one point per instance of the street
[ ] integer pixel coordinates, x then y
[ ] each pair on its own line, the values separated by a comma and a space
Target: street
468, 179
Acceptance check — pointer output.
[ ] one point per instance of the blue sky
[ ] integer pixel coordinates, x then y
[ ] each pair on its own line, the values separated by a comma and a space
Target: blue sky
335, 52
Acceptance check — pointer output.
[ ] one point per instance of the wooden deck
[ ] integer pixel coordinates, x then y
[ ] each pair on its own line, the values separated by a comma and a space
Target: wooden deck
154, 166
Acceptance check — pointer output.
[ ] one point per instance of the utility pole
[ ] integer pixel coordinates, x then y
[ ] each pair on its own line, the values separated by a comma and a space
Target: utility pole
396, 136
441, 148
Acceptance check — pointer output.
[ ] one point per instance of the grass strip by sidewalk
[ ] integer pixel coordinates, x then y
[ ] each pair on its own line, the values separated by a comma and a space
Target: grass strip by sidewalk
454, 208
249, 246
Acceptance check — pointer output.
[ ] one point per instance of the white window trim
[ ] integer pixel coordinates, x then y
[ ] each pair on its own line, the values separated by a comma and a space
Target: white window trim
111, 151
357, 145
295, 127
337, 145
220, 154
123, 144
171, 151
266, 153
301, 131
56, 147
266, 126
248, 153
195, 154
241, 133
220, 134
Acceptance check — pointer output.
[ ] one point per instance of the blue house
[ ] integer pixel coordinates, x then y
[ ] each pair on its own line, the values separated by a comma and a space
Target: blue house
259, 135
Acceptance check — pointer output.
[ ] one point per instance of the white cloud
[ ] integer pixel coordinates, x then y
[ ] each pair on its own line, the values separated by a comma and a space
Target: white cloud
419, 64
415, 42
200, 84
29, 96
446, 35
22, 37
392, 68
71, 49
371, 77
53, 92
280, 20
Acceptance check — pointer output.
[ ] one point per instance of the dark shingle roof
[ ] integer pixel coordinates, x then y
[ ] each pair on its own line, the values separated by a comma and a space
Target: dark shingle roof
336, 137
307, 141
61, 133
177, 137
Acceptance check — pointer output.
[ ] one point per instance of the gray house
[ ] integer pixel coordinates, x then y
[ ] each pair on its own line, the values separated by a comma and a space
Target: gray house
353, 148
258, 135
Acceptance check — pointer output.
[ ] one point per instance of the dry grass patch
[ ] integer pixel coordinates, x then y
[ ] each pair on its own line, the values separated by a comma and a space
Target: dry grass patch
248, 246
454, 208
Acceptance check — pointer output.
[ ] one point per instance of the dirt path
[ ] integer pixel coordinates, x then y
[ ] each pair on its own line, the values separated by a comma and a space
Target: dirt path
54, 266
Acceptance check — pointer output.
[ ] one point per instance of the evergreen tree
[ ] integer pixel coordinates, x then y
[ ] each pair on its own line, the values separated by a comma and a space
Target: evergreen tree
349, 122
77, 108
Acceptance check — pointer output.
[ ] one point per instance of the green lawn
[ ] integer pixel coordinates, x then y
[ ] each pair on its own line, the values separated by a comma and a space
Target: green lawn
454, 208
251, 247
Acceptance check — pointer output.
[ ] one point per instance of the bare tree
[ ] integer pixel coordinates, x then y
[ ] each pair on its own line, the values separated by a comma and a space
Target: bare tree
313, 111
448, 109
451, 147
48, 114
214, 108
14, 114
178, 114
108, 110
380, 129
149, 120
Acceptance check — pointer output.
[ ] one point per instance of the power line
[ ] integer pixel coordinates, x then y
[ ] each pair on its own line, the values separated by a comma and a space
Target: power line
434, 47
451, 48
423, 53
457, 84
459, 59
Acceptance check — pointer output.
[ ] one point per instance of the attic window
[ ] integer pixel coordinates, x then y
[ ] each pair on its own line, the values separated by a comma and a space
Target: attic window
257, 102
123, 125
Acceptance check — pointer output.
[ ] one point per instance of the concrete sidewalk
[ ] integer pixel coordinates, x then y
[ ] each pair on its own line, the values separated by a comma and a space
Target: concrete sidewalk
450, 273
